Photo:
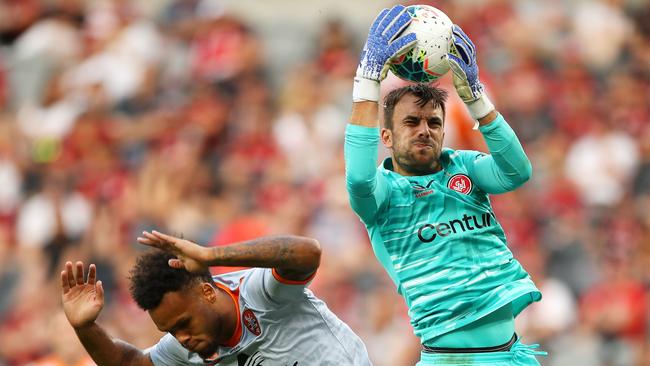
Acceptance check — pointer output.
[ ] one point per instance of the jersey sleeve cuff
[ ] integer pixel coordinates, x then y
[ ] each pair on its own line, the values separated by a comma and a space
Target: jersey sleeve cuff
286, 281
493, 125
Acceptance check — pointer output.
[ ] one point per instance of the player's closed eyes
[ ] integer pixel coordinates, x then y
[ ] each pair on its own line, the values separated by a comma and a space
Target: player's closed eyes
181, 325
434, 122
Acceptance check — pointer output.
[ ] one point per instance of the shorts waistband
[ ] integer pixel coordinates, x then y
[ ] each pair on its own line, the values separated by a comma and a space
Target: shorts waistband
501, 348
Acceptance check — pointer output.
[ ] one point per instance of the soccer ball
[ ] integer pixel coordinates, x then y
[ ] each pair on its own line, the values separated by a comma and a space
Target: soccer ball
427, 60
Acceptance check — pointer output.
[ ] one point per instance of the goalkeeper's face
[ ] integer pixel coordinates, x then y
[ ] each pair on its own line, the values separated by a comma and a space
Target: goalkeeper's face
415, 137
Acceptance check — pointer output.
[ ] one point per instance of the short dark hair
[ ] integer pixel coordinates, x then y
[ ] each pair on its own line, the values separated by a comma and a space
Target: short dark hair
152, 277
424, 92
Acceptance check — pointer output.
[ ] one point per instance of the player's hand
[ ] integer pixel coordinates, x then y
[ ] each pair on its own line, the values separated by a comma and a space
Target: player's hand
383, 43
190, 256
462, 61
82, 300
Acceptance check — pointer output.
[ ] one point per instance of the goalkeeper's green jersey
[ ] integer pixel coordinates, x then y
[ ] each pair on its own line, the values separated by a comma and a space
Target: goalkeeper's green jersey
437, 235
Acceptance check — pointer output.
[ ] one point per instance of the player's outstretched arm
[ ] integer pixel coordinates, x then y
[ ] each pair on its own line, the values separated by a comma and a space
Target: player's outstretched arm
293, 257
507, 167
384, 42
83, 300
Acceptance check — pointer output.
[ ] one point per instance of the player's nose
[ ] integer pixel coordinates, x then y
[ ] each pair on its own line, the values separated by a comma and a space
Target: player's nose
183, 338
423, 129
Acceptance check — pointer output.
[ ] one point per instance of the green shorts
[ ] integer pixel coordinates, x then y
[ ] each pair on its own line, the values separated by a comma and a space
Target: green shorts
519, 355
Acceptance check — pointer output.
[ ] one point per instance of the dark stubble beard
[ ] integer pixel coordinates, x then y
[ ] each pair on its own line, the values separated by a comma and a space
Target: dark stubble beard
406, 160
213, 346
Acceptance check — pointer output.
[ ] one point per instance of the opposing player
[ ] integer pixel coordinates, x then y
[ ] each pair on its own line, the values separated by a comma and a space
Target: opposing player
261, 316
426, 208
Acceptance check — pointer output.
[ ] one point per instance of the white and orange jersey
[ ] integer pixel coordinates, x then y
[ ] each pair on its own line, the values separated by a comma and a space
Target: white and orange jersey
281, 323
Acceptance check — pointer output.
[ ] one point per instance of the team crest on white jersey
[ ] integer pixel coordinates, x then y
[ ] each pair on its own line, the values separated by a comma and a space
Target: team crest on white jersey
251, 322
460, 183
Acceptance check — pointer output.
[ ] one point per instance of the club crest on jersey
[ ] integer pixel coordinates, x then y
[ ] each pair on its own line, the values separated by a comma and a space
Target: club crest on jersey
460, 183
251, 322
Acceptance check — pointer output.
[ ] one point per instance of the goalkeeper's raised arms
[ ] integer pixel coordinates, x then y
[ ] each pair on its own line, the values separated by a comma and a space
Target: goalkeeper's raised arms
384, 42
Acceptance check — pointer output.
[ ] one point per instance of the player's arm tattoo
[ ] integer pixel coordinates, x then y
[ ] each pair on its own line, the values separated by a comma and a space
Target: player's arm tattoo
293, 257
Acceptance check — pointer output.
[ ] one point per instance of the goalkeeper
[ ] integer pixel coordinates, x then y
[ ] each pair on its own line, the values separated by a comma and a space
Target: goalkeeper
426, 208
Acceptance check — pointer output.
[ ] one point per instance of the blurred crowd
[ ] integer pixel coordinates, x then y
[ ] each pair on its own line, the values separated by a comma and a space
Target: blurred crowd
117, 117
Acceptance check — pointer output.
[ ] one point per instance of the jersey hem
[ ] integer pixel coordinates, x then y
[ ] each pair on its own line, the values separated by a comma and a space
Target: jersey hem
535, 295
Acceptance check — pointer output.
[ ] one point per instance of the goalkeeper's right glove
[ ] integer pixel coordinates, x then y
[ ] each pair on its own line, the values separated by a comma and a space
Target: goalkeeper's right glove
382, 44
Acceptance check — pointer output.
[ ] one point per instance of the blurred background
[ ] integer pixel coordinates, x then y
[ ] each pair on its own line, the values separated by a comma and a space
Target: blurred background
223, 121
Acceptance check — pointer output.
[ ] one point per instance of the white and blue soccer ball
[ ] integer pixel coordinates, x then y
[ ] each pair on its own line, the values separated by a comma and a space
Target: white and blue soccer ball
427, 60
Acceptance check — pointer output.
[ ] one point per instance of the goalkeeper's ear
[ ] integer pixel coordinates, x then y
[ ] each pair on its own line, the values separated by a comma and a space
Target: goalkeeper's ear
387, 137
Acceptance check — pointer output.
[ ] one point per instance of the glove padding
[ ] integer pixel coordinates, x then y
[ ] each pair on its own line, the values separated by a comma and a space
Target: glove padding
384, 42
462, 61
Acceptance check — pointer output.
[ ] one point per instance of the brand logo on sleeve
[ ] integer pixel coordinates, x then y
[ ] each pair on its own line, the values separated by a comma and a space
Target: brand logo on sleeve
251, 323
460, 183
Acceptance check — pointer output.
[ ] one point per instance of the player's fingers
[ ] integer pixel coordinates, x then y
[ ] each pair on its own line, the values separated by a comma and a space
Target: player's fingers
70, 274
401, 45
99, 291
467, 40
79, 273
92, 274
150, 236
453, 59
165, 238
462, 51
146, 241
454, 64
461, 40
377, 21
65, 286
398, 25
176, 263
391, 16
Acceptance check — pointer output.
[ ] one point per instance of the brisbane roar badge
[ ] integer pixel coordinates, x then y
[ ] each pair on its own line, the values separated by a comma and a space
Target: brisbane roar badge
460, 183
251, 322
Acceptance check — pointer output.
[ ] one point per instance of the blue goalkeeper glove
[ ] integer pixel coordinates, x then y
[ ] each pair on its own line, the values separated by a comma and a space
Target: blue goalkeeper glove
462, 61
382, 44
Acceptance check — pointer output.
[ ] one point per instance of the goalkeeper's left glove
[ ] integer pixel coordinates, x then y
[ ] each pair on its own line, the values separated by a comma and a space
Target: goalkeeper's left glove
462, 60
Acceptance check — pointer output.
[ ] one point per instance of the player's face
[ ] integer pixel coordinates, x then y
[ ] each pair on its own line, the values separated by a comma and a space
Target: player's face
416, 137
198, 317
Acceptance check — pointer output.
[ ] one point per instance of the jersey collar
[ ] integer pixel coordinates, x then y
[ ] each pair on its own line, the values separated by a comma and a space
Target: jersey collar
236, 336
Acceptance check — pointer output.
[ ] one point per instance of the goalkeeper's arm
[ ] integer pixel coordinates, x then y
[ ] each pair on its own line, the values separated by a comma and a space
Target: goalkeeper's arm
385, 40
366, 188
507, 167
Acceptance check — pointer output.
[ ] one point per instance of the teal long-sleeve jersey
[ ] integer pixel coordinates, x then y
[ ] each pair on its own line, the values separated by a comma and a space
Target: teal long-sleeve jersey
436, 235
